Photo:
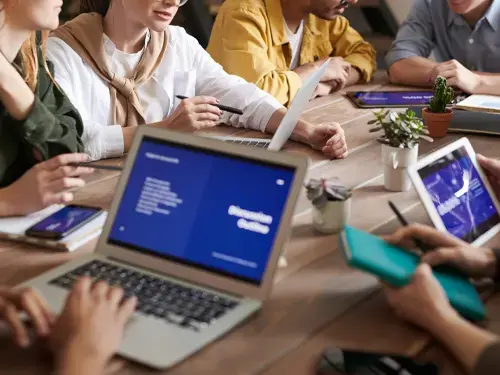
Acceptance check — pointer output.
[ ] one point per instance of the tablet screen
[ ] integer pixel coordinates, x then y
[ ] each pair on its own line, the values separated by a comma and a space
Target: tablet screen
460, 196
388, 98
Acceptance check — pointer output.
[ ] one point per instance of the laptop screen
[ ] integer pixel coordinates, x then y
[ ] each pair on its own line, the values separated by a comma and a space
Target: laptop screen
205, 209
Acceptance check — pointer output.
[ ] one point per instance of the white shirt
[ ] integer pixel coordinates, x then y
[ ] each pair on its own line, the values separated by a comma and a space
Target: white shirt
186, 69
295, 41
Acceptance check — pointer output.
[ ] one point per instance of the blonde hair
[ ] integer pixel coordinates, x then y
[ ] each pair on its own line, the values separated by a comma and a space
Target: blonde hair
29, 56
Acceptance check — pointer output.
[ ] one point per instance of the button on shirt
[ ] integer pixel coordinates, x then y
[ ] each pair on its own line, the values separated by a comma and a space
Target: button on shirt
432, 26
186, 69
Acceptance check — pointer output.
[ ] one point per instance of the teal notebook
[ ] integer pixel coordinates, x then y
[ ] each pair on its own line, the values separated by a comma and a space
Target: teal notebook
396, 267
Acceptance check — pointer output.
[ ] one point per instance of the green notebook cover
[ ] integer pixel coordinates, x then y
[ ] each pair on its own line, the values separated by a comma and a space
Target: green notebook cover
396, 267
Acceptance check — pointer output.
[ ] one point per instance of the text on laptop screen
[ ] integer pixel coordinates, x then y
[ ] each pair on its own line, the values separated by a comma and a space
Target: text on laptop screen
394, 98
459, 195
205, 209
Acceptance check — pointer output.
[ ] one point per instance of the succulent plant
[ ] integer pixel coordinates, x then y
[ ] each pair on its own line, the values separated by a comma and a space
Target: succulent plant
319, 192
443, 96
402, 130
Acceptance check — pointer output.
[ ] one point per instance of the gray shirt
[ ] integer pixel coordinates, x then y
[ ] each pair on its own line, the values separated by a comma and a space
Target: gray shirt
432, 26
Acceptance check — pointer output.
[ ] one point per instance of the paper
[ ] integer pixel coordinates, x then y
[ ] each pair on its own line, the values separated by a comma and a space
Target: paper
484, 103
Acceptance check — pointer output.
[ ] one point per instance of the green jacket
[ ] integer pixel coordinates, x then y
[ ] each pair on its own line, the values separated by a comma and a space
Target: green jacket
53, 127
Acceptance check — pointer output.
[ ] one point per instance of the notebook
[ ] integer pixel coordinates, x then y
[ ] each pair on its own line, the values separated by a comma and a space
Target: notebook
481, 103
13, 229
396, 267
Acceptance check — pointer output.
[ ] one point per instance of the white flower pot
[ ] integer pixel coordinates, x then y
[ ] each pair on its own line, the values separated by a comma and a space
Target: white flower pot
396, 162
332, 217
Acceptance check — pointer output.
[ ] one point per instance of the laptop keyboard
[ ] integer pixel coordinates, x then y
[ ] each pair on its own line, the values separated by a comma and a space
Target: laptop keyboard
257, 144
177, 304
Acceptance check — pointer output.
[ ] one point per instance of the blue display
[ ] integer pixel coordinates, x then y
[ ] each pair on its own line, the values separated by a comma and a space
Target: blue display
389, 98
65, 219
209, 210
459, 195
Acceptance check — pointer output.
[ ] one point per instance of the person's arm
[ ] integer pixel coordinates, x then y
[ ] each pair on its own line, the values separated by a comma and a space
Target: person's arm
489, 84
487, 363
408, 57
351, 46
76, 362
242, 52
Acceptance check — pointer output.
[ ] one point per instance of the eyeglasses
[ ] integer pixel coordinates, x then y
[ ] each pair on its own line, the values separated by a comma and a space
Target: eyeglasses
177, 3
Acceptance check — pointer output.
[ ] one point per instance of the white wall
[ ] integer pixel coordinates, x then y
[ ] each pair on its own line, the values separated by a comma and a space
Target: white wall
399, 8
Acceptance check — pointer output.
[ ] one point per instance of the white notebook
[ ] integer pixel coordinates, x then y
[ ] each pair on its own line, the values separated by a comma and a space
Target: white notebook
14, 228
480, 103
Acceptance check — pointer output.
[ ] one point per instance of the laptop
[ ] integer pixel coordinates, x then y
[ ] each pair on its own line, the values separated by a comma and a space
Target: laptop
191, 235
291, 118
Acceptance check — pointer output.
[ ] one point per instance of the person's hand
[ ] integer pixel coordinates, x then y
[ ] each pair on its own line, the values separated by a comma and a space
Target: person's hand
338, 71
91, 324
194, 114
456, 75
330, 139
323, 89
491, 167
47, 183
423, 302
28, 301
473, 261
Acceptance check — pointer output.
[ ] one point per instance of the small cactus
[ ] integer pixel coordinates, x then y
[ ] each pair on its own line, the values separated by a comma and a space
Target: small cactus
443, 96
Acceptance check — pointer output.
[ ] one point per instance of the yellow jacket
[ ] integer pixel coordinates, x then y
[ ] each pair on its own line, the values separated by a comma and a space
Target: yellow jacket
249, 39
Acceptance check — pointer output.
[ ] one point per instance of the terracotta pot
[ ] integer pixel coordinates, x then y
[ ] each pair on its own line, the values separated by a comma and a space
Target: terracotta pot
437, 123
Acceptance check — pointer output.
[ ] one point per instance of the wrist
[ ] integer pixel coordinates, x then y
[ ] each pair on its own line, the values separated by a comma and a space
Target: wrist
302, 132
481, 84
6, 203
76, 360
443, 321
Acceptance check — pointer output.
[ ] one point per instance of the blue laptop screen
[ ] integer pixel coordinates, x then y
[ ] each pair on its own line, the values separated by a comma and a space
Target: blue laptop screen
209, 210
459, 195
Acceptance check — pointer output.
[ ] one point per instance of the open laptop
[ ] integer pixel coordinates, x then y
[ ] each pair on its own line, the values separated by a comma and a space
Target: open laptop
191, 235
291, 118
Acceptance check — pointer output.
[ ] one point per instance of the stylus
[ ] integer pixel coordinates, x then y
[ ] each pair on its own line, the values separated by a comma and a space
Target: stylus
423, 247
96, 166
220, 106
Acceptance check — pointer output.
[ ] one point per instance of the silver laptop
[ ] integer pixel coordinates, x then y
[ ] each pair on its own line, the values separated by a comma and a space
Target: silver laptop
191, 235
291, 118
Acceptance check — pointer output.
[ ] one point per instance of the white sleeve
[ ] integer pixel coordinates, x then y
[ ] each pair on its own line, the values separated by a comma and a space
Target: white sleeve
257, 105
101, 140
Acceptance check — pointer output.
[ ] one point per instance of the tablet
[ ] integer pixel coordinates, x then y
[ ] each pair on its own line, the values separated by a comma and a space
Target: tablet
456, 193
377, 99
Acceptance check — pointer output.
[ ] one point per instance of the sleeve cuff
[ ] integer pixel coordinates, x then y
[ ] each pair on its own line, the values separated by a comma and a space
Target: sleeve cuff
294, 85
112, 143
365, 66
267, 109
33, 126
394, 56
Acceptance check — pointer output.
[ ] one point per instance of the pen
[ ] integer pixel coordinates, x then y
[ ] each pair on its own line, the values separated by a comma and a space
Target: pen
423, 247
96, 166
220, 106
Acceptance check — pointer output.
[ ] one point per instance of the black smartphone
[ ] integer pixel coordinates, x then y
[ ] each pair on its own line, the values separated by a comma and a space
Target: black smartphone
337, 361
63, 222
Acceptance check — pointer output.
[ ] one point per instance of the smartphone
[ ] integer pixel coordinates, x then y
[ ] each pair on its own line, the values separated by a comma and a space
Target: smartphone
63, 222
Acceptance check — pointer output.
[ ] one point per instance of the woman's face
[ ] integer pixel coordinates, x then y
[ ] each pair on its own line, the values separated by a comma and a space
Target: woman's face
32, 15
153, 14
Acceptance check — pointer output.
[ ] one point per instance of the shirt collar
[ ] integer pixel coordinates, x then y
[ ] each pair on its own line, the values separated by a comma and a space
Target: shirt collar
110, 47
492, 15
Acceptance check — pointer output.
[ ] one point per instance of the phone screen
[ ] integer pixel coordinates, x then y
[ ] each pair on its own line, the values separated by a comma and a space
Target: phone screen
65, 220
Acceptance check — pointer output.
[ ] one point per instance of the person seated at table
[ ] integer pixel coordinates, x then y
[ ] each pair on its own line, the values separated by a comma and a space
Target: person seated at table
122, 65
37, 121
86, 334
463, 39
277, 44
424, 302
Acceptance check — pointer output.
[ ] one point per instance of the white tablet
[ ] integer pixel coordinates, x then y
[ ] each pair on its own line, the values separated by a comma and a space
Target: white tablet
456, 193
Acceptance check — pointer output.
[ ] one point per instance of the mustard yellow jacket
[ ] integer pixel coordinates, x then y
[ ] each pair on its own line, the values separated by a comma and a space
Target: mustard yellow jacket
249, 39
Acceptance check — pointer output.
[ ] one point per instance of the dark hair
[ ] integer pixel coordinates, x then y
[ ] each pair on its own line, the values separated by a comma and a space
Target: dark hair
97, 6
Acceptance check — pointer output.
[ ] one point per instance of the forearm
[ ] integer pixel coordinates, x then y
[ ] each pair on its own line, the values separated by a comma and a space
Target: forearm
306, 70
15, 94
354, 76
413, 71
489, 84
464, 340
73, 362
300, 133
5, 203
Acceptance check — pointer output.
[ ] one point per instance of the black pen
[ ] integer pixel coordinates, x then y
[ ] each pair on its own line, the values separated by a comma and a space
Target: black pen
423, 247
97, 166
220, 106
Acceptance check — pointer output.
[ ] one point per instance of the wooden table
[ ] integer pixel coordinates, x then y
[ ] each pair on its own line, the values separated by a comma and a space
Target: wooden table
317, 301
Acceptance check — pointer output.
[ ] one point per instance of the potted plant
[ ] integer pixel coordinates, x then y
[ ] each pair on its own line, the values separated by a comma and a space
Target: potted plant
331, 204
402, 133
437, 116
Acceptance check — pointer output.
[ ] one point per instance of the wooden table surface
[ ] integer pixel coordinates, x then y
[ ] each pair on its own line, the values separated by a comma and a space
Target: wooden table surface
316, 301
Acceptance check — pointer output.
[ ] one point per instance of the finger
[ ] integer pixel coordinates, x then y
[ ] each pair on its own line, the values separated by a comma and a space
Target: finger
29, 303
203, 100
44, 306
206, 117
81, 289
447, 255
334, 154
448, 73
207, 108
65, 183
426, 234
67, 171
490, 165
60, 198
126, 310
100, 291
115, 296
204, 124
19, 331
63, 159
